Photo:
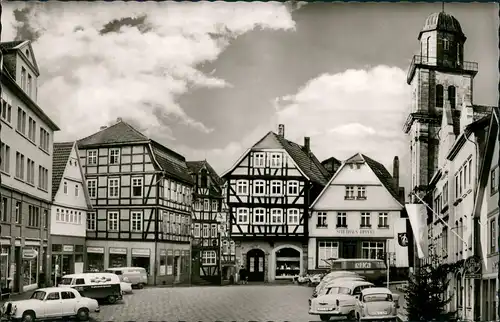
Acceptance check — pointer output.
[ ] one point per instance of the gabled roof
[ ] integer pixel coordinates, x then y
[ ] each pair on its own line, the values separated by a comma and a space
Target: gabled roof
305, 160
11, 45
119, 133
196, 166
171, 162
62, 151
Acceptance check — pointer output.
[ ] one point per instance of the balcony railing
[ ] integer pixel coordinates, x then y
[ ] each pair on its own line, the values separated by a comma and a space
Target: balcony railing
465, 66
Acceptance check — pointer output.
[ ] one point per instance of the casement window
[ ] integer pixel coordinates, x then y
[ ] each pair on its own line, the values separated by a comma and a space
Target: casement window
33, 216
137, 186
242, 187
322, 220
276, 188
214, 231
361, 193
136, 221
113, 188
44, 140
461, 182
43, 178
259, 216
259, 187
206, 230
293, 217
439, 93
214, 205
446, 44
114, 156
18, 213
209, 257
293, 188
173, 190
259, 160
349, 192
19, 166
383, 220
327, 250
366, 220
276, 160
65, 187
470, 170
445, 194
21, 120
457, 194
113, 221
31, 129
242, 216
6, 111
92, 188
91, 221
493, 236
276, 216
197, 205
494, 180
206, 204
373, 250
4, 215
77, 190
232, 247
341, 220
5, 157
196, 231
30, 178
92, 157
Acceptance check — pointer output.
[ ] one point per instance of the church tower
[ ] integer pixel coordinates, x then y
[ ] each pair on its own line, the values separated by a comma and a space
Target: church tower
437, 75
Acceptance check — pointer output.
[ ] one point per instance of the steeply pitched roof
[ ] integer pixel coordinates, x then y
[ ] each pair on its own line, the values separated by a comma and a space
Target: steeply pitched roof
118, 133
7, 45
171, 162
384, 176
62, 151
196, 166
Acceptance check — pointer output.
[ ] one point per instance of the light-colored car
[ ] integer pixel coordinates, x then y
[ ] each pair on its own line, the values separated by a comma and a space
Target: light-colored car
51, 303
126, 288
341, 300
330, 277
377, 304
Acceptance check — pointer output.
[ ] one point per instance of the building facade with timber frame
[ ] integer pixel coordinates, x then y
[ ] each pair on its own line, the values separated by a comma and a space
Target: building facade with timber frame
141, 195
269, 191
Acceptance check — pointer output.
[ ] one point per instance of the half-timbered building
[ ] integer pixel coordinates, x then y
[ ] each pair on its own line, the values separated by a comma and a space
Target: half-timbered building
210, 247
270, 189
141, 195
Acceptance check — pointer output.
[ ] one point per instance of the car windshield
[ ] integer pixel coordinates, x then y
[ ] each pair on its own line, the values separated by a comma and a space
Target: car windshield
65, 281
338, 290
381, 297
38, 295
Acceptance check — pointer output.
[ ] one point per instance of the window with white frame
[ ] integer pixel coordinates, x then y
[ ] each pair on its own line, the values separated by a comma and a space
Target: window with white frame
349, 192
92, 187
276, 216
197, 205
206, 204
276, 160
242, 216
293, 217
113, 187
293, 188
276, 188
232, 247
213, 232
92, 157
327, 250
65, 187
322, 220
493, 236
494, 181
137, 187
91, 220
366, 220
77, 190
206, 230
470, 170
341, 220
114, 156
361, 192
372, 250
259, 187
259, 216
383, 220
209, 257
113, 221
225, 247
242, 187
214, 205
196, 230
136, 221
259, 160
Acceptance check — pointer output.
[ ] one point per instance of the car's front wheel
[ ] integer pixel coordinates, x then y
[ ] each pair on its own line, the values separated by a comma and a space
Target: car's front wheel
324, 317
112, 299
83, 314
28, 316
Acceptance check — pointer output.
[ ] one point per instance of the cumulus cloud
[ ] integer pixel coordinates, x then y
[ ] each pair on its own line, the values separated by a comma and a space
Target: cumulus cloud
130, 60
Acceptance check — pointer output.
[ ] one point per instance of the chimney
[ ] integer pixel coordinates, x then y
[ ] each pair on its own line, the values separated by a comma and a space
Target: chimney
118, 119
395, 171
102, 127
307, 144
281, 130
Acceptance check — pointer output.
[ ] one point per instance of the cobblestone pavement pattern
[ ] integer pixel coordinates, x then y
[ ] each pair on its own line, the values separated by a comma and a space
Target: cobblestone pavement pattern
230, 303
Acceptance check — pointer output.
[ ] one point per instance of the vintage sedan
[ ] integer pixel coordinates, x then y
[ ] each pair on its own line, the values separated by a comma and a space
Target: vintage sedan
341, 300
49, 304
378, 304
330, 277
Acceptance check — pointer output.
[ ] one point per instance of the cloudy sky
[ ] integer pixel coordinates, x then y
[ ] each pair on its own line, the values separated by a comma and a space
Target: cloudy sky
210, 79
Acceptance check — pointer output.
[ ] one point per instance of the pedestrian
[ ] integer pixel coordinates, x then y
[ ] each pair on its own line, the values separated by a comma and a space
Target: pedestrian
243, 275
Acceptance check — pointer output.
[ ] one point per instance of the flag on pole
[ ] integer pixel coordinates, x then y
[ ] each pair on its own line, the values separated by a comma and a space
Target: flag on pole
417, 213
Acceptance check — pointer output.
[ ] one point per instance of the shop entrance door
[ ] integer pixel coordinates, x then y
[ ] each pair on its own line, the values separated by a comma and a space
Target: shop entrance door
62, 265
349, 250
255, 265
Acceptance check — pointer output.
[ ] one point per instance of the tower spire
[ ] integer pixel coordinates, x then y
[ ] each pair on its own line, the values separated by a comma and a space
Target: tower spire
442, 6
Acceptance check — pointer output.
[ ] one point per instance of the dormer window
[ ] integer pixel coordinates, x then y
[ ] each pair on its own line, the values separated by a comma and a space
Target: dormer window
259, 160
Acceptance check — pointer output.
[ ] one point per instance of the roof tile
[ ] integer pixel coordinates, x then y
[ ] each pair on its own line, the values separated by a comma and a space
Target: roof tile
62, 151
120, 132
384, 176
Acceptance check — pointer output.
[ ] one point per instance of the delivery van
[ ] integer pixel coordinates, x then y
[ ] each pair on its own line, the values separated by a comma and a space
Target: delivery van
99, 286
137, 276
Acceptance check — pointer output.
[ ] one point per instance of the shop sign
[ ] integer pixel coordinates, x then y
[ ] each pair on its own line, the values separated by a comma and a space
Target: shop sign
119, 251
163, 252
140, 252
68, 248
95, 250
356, 232
29, 253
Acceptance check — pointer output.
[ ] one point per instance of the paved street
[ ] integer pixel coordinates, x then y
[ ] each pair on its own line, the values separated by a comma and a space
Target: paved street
230, 303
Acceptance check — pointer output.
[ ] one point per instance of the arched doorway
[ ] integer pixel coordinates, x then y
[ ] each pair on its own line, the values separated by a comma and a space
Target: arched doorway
288, 262
256, 261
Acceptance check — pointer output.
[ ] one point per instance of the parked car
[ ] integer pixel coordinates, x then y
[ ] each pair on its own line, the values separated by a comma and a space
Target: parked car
315, 279
51, 303
377, 304
331, 276
137, 276
341, 300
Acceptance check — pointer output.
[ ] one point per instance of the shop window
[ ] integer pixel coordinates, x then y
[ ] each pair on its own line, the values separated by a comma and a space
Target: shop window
170, 262
95, 262
141, 261
163, 263
118, 257
56, 248
4, 267
287, 263
30, 266
78, 248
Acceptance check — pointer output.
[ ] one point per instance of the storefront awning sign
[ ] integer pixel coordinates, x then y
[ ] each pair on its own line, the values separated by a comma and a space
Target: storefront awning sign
118, 251
29, 253
417, 213
68, 248
144, 252
95, 250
